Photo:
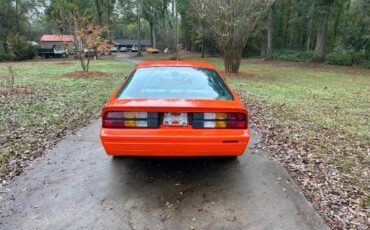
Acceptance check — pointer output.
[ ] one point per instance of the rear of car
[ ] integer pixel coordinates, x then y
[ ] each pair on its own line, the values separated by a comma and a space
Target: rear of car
174, 109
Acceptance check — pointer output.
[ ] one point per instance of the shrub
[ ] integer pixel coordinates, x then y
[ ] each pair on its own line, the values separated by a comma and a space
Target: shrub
347, 59
175, 57
21, 49
292, 55
334, 58
338, 59
7, 57
366, 64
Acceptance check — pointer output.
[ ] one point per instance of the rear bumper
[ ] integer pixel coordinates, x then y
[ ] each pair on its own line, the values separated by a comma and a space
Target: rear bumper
179, 142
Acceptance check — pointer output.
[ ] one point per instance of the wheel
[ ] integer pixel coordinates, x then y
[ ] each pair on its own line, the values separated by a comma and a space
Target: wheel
231, 158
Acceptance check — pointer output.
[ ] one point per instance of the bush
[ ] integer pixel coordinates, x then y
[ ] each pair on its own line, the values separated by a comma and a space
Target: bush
335, 58
7, 57
366, 64
21, 49
292, 55
347, 59
175, 57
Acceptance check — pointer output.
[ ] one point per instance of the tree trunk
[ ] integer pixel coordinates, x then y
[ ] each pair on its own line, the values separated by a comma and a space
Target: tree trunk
154, 38
232, 58
309, 27
335, 32
263, 43
287, 25
176, 26
88, 62
367, 50
151, 33
5, 46
82, 61
138, 29
79, 54
319, 53
308, 44
109, 20
17, 16
269, 35
99, 12
203, 40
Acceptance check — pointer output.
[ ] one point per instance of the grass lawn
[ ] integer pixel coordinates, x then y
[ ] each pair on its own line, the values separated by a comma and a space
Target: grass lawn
315, 119
55, 106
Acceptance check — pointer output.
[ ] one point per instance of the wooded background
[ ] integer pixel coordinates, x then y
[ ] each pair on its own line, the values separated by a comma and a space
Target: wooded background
334, 31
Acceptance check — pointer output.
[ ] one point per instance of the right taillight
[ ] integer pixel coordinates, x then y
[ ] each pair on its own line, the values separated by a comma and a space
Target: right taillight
220, 120
123, 119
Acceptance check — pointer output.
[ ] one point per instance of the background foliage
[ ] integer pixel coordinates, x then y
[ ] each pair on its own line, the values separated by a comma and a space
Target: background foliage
168, 22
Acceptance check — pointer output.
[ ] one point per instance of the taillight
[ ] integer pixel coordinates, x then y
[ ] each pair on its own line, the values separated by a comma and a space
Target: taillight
120, 119
220, 120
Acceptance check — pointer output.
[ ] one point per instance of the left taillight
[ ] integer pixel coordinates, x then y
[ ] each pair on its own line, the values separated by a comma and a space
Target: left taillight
124, 119
220, 120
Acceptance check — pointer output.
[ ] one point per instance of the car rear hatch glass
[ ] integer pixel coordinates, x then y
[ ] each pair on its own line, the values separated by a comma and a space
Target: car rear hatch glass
175, 83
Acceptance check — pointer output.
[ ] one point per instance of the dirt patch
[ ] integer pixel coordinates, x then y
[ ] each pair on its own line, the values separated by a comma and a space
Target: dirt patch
83, 74
238, 75
13, 91
65, 63
106, 57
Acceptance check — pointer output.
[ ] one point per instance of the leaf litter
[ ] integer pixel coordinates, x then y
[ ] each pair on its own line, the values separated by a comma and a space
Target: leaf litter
309, 154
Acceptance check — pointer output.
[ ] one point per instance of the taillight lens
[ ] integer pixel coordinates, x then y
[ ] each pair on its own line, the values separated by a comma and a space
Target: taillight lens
120, 119
220, 120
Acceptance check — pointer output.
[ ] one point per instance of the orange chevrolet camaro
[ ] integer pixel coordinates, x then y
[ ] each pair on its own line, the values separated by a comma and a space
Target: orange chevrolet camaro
174, 108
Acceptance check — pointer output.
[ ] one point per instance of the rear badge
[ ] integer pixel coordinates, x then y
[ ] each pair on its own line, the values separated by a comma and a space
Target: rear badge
175, 119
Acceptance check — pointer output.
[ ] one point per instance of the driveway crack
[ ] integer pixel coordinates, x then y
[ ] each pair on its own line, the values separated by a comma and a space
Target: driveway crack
130, 222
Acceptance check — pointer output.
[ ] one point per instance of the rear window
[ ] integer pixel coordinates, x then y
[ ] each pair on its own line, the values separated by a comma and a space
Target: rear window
175, 83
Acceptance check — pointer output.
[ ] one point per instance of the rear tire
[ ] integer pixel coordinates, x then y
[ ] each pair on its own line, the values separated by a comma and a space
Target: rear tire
118, 157
231, 158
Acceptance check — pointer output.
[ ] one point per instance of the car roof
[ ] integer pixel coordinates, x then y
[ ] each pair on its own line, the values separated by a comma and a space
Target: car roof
175, 64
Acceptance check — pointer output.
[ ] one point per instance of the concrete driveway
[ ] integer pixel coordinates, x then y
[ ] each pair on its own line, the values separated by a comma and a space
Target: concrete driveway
76, 186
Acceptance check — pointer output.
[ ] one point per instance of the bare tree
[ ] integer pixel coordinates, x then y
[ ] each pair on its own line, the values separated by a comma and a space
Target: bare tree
231, 22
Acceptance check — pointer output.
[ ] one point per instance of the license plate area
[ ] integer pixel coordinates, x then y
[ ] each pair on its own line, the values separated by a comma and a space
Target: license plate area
175, 119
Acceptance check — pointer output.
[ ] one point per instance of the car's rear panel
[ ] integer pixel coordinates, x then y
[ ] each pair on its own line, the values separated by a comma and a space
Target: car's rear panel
175, 140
